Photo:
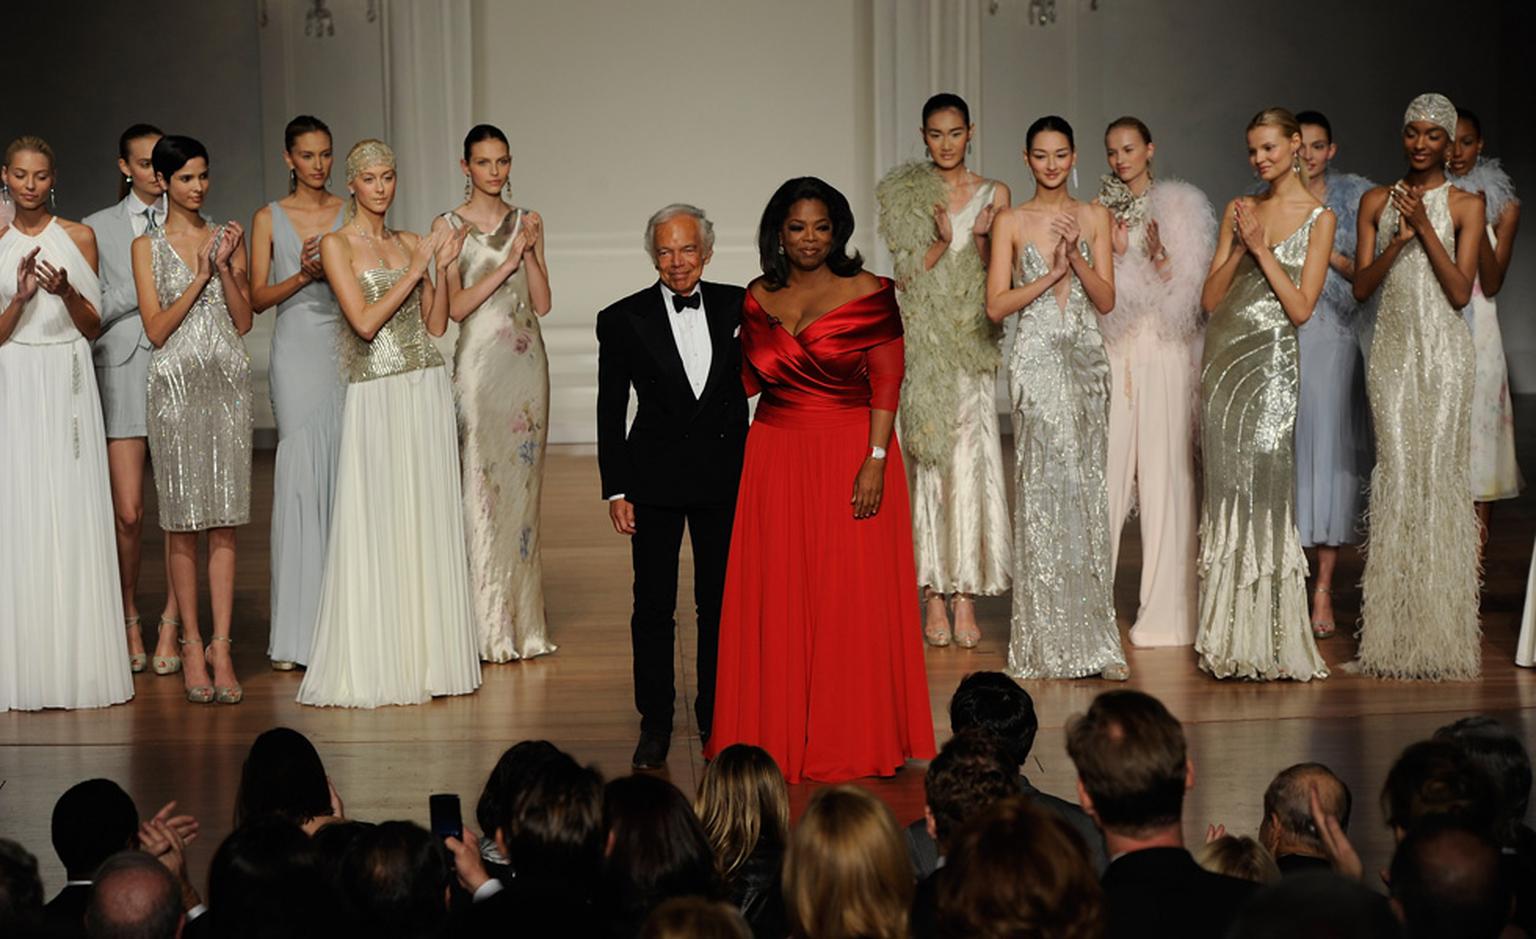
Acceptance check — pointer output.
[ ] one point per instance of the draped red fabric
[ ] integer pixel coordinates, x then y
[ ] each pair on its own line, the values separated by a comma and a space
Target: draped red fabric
821, 656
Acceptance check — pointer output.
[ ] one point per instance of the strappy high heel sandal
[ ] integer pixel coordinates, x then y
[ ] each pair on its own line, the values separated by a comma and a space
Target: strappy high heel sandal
936, 634
136, 660
967, 638
234, 694
1323, 629
197, 694
167, 664
1119, 671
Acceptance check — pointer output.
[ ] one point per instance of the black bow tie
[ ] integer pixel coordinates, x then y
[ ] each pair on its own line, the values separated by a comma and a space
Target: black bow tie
693, 301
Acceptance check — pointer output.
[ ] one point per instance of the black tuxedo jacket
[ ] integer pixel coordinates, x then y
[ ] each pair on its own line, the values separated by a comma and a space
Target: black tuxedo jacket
65, 913
681, 450
1163, 892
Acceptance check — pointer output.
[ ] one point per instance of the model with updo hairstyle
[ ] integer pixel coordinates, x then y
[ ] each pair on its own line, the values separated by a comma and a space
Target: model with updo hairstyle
199, 403
821, 340
1053, 267
743, 804
1163, 234
121, 353
62, 629
1418, 252
847, 875
498, 291
1264, 281
936, 219
306, 380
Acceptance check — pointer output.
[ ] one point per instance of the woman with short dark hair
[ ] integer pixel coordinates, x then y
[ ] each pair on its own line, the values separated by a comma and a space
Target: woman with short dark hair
821, 660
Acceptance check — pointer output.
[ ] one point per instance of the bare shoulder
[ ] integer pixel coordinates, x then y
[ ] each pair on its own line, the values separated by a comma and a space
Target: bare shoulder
263, 216
1002, 196
80, 233
409, 238
1092, 215
1462, 201
865, 282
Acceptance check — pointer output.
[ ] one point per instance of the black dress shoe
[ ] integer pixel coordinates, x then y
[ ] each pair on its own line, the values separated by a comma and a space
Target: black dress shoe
651, 751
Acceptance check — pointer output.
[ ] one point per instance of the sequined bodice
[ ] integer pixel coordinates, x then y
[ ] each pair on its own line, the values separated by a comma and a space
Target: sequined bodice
207, 324
1411, 272
401, 344
1032, 267
1250, 298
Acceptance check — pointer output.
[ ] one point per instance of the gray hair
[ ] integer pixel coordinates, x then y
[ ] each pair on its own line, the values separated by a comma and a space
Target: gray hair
706, 227
133, 897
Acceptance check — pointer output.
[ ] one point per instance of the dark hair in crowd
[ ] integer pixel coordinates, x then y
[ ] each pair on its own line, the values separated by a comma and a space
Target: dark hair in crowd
945, 101
1135, 123
969, 776
21, 890
174, 151
1131, 759
659, 848
1317, 905
1502, 757
282, 775
1316, 119
1288, 799
1049, 122
769, 238
993, 702
134, 132
554, 829
92, 821
483, 132
266, 882
1448, 880
508, 777
1436, 777
695, 918
1471, 117
394, 877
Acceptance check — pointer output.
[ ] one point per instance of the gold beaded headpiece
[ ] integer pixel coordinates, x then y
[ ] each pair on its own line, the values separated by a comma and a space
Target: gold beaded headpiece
371, 152
1436, 109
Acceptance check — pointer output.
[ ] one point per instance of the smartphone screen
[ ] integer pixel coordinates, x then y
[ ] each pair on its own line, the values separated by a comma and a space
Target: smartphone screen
446, 821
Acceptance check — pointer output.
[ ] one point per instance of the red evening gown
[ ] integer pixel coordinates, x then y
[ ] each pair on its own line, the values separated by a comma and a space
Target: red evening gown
821, 658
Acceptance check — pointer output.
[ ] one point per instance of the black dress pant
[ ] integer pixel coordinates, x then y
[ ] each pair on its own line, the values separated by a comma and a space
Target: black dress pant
656, 545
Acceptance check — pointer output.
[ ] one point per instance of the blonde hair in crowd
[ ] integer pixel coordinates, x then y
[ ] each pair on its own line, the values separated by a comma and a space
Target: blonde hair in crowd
846, 874
742, 801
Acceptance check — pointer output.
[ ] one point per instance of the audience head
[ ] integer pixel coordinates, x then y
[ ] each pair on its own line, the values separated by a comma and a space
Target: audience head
1447, 882
695, 918
1502, 757
283, 776
553, 828
742, 802
92, 821
1018, 870
1287, 827
1317, 905
266, 881
507, 779
806, 224
21, 889
1132, 764
395, 879
1436, 777
846, 874
332, 843
993, 702
657, 849
680, 239
133, 897
970, 775
1240, 857
134, 146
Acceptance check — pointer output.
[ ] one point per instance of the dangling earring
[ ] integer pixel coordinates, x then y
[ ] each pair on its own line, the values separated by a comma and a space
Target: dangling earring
1149, 169
781, 246
1296, 164
467, 187
53, 199
506, 190
1074, 175
293, 180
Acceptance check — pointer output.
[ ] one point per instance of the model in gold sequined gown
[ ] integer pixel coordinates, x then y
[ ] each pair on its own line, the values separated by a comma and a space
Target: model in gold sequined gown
1253, 619
501, 386
1420, 589
1058, 380
396, 622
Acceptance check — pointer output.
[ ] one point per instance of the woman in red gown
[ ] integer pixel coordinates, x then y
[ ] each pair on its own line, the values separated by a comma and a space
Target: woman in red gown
821, 659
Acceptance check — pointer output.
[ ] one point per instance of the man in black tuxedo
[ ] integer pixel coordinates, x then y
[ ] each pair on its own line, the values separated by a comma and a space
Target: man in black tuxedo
1288, 830
1133, 769
676, 343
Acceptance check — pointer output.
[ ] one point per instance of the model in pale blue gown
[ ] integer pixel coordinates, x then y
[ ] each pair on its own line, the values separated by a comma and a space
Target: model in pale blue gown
308, 391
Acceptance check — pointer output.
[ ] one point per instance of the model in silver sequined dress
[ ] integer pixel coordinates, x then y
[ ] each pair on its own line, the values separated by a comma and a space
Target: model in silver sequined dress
199, 406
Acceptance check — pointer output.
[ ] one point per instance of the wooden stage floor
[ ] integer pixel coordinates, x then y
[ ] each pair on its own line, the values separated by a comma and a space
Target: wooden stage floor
386, 762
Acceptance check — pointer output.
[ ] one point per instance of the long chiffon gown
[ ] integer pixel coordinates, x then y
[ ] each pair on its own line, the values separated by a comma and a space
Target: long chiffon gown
396, 623
501, 387
1420, 592
821, 659
62, 643
1253, 574
308, 390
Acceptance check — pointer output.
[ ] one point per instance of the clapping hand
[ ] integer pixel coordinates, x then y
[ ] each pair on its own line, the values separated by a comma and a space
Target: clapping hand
533, 227
1065, 225
943, 228
1215, 833
184, 825
451, 244
984, 219
55, 280
1153, 242
1060, 261
426, 249
309, 259
1412, 218
27, 280
1245, 222
232, 233
1120, 237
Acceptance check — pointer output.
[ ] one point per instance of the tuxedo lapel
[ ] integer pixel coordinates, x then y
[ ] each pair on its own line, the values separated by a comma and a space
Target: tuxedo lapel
722, 329
656, 332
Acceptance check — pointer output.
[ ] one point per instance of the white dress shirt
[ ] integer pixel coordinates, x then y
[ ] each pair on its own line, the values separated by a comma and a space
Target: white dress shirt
690, 330
138, 213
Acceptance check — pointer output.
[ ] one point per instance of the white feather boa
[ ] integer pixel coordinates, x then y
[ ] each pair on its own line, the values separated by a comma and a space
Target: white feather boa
1489, 179
1186, 226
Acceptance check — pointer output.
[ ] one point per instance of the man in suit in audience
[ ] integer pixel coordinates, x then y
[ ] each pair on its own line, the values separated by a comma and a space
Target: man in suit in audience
676, 343
1288, 830
1447, 882
1133, 769
994, 703
92, 821
134, 895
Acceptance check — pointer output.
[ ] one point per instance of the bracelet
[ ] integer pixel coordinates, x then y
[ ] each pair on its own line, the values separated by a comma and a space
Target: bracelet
876, 453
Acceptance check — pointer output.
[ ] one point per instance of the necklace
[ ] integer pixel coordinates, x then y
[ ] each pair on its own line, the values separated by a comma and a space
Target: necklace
373, 242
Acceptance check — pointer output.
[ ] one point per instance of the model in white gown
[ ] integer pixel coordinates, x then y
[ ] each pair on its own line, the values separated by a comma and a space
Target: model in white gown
61, 612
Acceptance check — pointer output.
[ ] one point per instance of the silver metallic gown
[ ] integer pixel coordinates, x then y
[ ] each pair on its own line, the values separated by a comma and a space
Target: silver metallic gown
1420, 590
199, 406
1058, 380
1253, 574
